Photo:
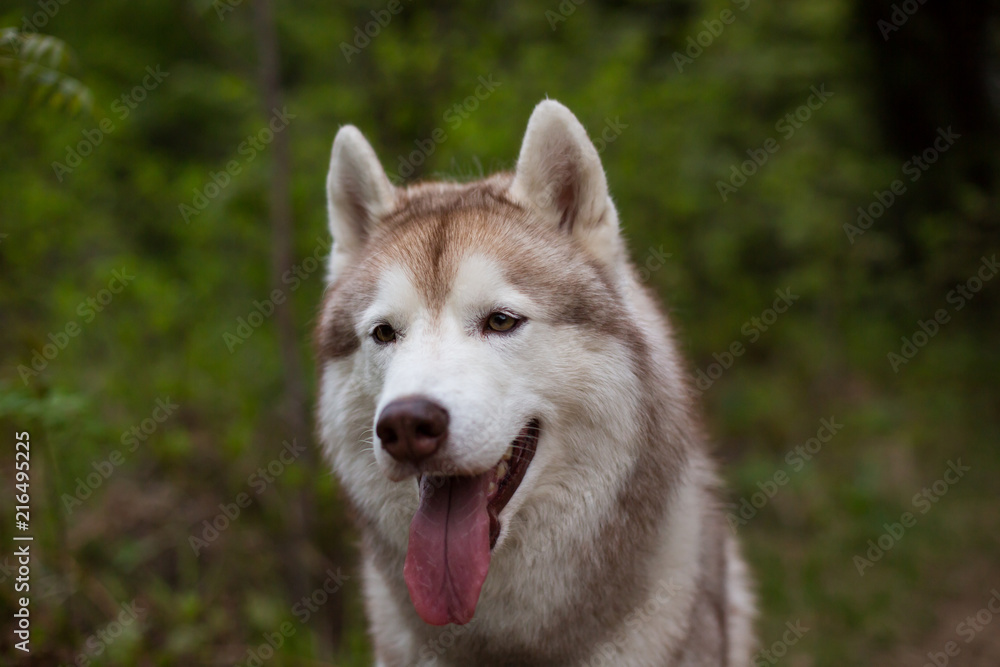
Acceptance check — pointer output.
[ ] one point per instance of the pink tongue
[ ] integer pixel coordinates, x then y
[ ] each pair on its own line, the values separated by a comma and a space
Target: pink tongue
449, 549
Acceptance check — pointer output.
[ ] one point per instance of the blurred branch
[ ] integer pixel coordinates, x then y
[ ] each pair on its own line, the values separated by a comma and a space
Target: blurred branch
35, 65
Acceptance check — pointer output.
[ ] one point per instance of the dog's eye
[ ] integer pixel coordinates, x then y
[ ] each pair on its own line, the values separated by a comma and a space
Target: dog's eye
501, 322
384, 333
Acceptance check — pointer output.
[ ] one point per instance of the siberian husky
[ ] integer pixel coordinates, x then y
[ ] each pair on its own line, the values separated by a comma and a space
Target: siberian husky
512, 424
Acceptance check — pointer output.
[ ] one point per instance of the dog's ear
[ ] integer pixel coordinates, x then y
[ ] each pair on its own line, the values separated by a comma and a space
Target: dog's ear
357, 189
560, 178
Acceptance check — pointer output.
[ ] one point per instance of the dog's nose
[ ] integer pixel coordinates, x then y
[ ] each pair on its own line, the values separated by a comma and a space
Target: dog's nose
412, 428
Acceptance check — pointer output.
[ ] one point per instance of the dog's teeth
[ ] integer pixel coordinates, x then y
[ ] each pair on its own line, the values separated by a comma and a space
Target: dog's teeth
501, 469
508, 454
491, 489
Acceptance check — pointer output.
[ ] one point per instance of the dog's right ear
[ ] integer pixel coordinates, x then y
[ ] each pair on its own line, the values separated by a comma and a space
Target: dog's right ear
559, 177
358, 192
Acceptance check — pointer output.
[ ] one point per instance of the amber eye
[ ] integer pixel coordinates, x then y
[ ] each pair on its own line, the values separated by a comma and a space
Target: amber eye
501, 322
384, 333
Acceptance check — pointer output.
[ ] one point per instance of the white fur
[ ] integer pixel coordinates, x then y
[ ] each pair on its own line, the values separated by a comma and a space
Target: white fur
578, 383
557, 155
434, 354
358, 194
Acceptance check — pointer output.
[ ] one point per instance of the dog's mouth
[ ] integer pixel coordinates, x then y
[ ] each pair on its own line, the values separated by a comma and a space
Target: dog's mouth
455, 529
508, 475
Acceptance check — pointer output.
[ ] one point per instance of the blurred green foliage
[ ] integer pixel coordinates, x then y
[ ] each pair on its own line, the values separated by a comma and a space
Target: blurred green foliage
175, 96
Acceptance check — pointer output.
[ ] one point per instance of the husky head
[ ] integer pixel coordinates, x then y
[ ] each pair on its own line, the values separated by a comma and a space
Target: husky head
477, 356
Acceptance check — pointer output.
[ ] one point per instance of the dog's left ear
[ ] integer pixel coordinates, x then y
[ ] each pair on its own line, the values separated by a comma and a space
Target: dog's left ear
560, 178
358, 193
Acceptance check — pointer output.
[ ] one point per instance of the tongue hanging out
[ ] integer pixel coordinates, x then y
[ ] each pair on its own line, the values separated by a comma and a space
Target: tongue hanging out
454, 529
449, 549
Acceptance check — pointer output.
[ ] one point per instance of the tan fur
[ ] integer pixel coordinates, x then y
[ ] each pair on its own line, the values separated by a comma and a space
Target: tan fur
613, 550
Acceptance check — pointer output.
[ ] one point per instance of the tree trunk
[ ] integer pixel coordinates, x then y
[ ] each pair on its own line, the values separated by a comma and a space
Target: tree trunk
296, 416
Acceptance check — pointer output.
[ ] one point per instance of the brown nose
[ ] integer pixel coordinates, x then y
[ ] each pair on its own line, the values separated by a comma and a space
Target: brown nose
412, 428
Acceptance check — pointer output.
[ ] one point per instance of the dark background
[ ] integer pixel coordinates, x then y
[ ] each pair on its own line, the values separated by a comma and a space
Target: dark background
182, 329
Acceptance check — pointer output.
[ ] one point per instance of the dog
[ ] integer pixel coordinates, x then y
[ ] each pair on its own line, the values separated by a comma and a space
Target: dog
512, 425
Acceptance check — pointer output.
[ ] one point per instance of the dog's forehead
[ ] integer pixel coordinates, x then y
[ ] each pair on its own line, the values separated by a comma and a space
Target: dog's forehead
476, 280
454, 255
472, 248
